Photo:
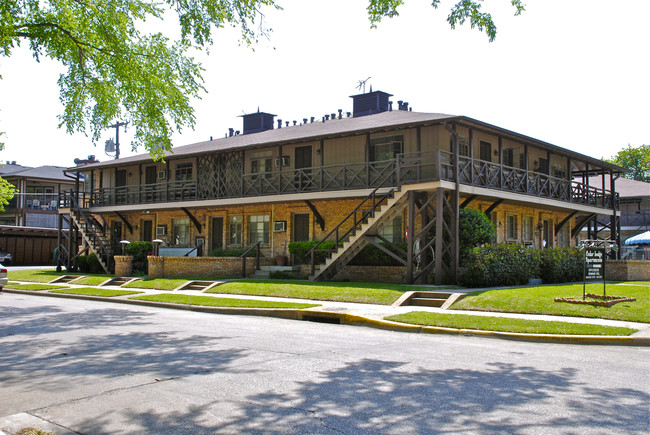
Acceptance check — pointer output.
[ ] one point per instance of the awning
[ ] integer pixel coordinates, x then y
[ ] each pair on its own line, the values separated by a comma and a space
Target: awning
639, 239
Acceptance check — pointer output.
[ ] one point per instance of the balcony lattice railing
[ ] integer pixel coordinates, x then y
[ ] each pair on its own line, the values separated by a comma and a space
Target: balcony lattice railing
407, 168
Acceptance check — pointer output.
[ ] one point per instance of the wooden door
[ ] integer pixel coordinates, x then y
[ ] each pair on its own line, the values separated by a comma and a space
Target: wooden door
302, 160
216, 235
147, 231
300, 227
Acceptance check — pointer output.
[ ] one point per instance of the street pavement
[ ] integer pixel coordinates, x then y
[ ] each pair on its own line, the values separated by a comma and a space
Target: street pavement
76, 366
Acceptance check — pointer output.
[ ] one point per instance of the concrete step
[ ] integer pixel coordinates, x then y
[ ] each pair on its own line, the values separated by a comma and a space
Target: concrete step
197, 285
118, 280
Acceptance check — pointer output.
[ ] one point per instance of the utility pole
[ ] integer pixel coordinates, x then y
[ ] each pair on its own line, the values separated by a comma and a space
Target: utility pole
117, 126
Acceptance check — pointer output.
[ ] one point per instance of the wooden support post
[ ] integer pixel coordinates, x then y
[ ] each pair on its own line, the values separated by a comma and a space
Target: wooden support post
439, 237
411, 237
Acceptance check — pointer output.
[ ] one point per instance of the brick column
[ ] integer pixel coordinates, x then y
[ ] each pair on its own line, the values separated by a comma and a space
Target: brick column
123, 265
156, 266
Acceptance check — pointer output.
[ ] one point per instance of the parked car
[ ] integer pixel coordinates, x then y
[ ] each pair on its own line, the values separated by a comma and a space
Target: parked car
5, 257
3, 277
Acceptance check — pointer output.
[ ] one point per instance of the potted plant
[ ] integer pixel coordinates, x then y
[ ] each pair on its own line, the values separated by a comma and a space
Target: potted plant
281, 257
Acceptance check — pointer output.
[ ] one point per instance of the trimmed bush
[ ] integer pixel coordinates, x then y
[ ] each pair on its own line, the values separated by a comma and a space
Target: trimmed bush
88, 264
139, 250
562, 265
301, 249
501, 265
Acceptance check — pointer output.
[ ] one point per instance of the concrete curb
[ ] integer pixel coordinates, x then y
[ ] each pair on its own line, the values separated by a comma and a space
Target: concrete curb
358, 320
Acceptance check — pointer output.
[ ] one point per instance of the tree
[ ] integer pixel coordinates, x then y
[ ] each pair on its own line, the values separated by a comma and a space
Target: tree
637, 160
117, 72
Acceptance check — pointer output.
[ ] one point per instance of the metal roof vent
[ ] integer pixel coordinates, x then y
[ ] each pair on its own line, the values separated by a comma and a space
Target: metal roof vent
370, 103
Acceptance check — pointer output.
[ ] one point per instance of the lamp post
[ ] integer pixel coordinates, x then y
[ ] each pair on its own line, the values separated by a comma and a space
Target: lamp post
124, 243
156, 246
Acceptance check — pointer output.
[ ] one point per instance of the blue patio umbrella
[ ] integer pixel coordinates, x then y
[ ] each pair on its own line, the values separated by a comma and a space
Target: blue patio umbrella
639, 239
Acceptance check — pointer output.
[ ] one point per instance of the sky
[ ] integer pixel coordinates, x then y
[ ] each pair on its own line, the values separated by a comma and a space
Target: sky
573, 73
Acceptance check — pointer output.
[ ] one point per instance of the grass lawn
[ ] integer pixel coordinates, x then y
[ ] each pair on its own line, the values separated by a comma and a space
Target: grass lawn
504, 324
90, 291
370, 293
157, 283
36, 287
211, 301
92, 279
539, 300
34, 275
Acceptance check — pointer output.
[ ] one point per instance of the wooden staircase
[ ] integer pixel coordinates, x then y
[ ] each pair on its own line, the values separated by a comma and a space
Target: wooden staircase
371, 221
95, 237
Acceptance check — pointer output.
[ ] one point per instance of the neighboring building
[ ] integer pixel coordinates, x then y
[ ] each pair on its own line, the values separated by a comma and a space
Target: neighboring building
398, 170
36, 203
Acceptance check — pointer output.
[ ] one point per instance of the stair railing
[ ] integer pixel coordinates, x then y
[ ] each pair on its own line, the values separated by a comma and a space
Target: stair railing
375, 202
92, 234
245, 254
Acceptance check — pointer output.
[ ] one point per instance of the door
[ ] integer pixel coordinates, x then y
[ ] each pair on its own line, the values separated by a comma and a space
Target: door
120, 190
547, 240
216, 235
300, 227
116, 234
302, 161
150, 183
147, 231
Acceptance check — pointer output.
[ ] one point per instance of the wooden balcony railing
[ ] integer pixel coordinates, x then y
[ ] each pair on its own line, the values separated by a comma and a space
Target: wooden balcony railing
408, 168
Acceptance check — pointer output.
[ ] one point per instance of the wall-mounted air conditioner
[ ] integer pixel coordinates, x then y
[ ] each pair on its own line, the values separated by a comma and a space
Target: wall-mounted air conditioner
161, 230
162, 175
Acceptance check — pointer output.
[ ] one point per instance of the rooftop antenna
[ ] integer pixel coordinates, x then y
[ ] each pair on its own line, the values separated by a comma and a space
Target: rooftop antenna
362, 84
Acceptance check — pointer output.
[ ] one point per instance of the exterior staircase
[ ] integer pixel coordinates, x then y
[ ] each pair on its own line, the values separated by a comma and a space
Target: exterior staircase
95, 237
197, 285
438, 299
381, 213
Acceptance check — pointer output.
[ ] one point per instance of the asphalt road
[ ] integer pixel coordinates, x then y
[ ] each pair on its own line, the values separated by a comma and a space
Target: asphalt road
96, 368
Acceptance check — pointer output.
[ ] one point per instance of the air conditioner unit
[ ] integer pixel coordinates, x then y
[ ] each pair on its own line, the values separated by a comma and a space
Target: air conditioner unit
279, 226
161, 230
162, 175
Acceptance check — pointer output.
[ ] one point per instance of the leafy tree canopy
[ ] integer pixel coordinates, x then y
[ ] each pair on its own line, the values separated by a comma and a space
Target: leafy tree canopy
115, 71
637, 160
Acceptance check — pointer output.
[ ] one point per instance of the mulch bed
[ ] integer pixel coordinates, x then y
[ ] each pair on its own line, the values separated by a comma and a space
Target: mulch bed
596, 300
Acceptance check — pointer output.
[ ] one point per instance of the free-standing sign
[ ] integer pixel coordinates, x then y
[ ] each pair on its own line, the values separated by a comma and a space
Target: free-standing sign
594, 267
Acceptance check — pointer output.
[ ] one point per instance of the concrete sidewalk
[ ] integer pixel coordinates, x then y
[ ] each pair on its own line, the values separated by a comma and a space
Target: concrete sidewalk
373, 315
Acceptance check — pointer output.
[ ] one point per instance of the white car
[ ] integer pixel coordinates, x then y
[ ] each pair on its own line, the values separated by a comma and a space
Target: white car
5, 257
3, 276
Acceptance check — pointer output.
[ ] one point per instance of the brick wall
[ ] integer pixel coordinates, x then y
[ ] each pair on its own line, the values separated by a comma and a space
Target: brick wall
213, 267
123, 265
627, 270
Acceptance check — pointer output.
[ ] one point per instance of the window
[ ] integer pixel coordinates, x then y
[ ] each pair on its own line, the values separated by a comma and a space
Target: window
258, 229
527, 222
485, 151
563, 237
463, 146
261, 162
508, 157
181, 232
183, 171
386, 148
393, 231
234, 230
511, 227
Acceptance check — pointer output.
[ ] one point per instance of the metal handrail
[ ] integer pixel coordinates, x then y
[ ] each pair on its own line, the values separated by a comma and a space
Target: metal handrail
257, 258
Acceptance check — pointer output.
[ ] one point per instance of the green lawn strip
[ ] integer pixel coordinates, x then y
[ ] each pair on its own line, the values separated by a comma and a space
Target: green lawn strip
505, 324
34, 275
91, 291
211, 301
157, 283
92, 280
370, 293
36, 287
540, 300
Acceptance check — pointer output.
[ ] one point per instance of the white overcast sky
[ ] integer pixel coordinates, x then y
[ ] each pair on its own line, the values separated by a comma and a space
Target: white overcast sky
573, 73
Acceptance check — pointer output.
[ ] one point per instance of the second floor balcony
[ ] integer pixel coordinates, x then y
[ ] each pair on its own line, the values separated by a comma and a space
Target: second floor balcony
230, 181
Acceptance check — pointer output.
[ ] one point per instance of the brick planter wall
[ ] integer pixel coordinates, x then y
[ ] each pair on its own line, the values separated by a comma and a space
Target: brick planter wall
627, 270
214, 267
123, 265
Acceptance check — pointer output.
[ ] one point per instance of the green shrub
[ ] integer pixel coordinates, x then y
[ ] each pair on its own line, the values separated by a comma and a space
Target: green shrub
501, 265
371, 255
281, 274
562, 265
301, 249
474, 229
139, 250
88, 264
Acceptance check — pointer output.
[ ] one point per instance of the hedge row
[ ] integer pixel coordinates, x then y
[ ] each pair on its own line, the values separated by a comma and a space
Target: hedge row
507, 264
